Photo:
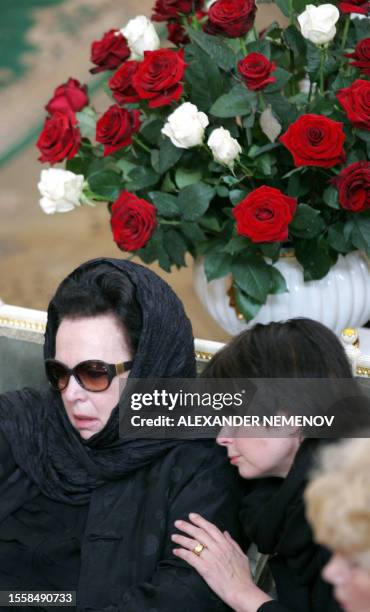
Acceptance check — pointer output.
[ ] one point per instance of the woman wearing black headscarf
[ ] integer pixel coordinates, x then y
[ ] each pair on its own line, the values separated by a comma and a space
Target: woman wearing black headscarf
81, 509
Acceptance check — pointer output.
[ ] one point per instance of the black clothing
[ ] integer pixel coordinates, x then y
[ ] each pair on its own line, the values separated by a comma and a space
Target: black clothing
126, 563
273, 516
123, 496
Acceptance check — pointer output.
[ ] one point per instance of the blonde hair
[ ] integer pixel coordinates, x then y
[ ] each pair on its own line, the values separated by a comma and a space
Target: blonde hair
338, 499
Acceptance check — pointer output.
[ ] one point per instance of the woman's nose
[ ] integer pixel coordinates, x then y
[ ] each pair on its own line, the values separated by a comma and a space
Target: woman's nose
224, 437
73, 390
334, 570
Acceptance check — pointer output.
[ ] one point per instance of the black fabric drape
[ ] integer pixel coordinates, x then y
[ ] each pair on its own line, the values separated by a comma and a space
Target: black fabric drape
44, 443
273, 517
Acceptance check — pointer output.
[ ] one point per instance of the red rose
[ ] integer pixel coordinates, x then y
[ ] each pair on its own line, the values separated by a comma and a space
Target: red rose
158, 76
70, 97
356, 102
232, 18
170, 9
255, 69
177, 34
121, 83
315, 140
353, 185
116, 128
355, 6
60, 138
361, 55
264, 215
133, 221
109, 52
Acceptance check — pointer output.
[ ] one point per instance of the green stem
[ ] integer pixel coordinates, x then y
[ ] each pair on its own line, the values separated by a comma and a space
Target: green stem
310, 92
137, 141
291, 12
345, 31
322, 68
261, 100
255, 32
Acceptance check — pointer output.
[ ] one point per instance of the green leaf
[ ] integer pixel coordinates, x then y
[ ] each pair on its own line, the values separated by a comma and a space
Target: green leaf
252, 274
175, 246
285, 112
106, 183
194, 200
264, 164
330, 197
165, 203
237, 195
151, 130
315, 256
169, 155
141, 177
360, 231
126, 167
282, 77
255, 150
192, 231
216, 265
215, 47
313, 58
204, 78
277, 281
239, 101
87, 122
295, 41
307, 222
284, 7
154, 249
185, 177
238, 244
271, 250
363, 135
336, 238
246, 305
210, 222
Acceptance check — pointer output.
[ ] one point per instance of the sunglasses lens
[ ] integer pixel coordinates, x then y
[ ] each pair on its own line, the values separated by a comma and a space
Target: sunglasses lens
93, 375
57, 375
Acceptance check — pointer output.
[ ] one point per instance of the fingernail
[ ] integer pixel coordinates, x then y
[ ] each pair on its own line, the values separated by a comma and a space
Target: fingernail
178, 523
193, 515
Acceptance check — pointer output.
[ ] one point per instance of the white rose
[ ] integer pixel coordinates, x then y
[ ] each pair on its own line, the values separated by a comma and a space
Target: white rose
60, 189
141, 36
318, 23
224, 147
185, 126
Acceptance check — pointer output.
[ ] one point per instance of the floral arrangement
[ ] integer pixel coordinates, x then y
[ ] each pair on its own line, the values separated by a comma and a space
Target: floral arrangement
224, 142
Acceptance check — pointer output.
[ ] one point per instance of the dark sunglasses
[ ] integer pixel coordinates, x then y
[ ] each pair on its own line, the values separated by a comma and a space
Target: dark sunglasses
92, 375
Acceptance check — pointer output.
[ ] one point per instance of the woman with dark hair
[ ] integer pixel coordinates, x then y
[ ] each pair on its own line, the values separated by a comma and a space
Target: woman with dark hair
80, 508
273, 513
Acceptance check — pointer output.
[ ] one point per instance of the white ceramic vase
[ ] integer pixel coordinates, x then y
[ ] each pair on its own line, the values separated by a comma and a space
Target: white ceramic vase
340, 299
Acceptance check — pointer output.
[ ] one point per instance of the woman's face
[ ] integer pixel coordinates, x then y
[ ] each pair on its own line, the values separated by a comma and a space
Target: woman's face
79, 339
351, 583
260, 457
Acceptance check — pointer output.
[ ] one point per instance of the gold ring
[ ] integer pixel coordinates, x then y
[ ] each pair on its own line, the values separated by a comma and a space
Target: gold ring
197, 550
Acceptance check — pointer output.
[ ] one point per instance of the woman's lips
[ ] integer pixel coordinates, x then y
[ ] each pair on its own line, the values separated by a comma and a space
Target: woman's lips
234, 459
84, 422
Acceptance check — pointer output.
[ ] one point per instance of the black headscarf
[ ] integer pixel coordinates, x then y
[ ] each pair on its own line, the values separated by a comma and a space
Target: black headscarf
46, 446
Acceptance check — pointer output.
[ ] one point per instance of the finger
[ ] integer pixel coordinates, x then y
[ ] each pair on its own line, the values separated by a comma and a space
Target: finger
208, 527
193, 560
197, 534
185, 542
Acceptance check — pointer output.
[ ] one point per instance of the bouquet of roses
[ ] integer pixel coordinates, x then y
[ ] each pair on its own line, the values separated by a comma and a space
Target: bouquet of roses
224, 142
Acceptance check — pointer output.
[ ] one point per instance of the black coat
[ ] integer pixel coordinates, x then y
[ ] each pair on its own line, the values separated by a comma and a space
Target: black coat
273, 517
126, 559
